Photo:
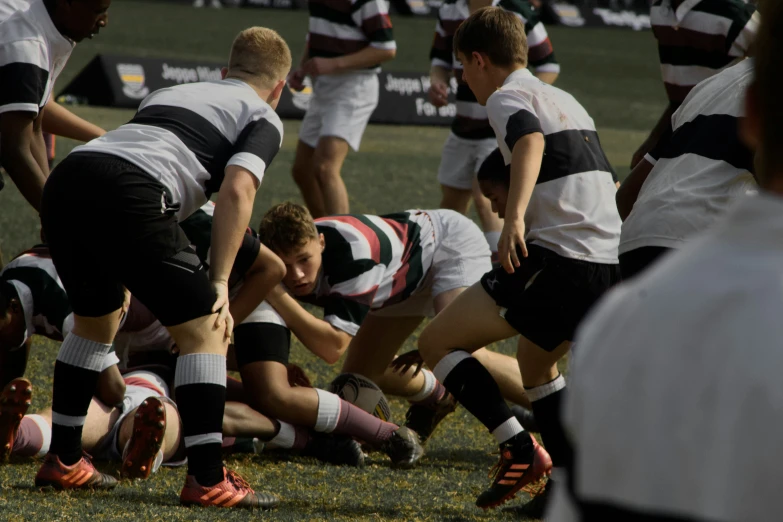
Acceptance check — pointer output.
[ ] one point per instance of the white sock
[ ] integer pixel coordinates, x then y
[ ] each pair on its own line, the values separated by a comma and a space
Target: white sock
328, 411
545, 390
285, 437
46, 431
426, 389
492, 239
507, 430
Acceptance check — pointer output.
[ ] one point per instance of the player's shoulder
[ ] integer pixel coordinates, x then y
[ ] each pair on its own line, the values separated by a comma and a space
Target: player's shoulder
453, 10
520, 7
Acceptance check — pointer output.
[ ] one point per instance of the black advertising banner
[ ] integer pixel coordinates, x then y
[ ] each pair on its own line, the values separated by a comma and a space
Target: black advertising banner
123, 82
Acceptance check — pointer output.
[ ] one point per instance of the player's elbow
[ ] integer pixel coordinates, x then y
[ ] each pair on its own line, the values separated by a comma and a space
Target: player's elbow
276, 269
384, 55
337, 348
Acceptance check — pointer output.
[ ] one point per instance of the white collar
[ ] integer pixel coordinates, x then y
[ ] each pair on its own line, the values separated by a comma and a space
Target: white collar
519, 74
758, 219
684, 8
60, 43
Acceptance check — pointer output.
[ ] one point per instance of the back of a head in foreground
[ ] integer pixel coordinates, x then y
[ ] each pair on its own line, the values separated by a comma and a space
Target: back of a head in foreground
762, 129
260, 56
496, 33
287, 227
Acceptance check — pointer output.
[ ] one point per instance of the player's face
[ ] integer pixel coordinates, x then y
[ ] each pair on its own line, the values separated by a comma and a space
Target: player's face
497, 194
474, 73
303, 266
12, 331
84, 18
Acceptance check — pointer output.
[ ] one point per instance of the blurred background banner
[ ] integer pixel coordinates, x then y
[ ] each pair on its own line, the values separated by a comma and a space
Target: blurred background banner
124, 81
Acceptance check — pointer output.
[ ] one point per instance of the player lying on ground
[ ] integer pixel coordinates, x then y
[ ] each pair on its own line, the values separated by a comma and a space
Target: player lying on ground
377, 277
185, 143
261, 348
471, 138
143, 434
555, 263
686, 183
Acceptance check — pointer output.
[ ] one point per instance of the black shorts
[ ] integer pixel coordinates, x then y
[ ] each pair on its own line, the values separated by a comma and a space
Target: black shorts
261, 342
111, 225
547, 297
638, 259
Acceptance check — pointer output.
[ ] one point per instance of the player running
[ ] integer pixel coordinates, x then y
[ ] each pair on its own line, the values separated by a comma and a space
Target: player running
471, 138
183, 144
558, 250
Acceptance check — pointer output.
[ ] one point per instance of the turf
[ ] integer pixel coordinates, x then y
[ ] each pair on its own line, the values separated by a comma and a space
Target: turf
614, 73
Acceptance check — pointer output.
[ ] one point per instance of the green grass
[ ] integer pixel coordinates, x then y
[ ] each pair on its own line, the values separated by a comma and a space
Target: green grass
614, 73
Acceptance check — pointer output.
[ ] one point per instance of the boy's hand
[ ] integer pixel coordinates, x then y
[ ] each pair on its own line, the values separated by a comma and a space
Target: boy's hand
439, 94
221, 308
296, 80
512, 236
406, 361
318, 66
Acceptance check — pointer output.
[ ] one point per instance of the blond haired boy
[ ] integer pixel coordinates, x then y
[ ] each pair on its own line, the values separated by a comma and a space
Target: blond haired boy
120, 197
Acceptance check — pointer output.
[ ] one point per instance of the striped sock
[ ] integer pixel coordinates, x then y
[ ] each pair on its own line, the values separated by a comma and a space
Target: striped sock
200, 383
76, 372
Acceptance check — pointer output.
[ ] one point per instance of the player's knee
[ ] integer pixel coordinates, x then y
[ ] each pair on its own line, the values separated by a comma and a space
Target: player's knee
325, 170
111, 391
277, 400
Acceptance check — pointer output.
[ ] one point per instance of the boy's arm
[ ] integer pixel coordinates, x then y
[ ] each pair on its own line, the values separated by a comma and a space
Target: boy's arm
23, 154
60, 121
629, 191
297, 76
318, 336
541, 53
442, 60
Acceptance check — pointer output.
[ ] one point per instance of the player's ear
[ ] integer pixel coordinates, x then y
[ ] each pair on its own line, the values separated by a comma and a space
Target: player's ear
479, 59
223, 73
278, 90
322, 241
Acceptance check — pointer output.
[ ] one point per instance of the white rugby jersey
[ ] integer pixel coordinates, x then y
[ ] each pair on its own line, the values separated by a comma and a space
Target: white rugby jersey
370, 262
10, 7
185, 136
702, 169
32, 55
675, 396
572, 209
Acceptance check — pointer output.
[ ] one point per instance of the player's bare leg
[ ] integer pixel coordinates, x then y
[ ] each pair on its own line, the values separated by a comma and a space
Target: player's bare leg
491, 224
455, 199
306, 181
327, 163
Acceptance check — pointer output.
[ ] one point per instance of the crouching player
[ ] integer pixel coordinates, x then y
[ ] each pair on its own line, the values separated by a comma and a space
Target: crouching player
377, 277
558, 250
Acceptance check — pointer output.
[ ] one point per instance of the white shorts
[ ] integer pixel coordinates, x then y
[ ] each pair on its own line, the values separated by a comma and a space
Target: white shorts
461, 160
461, 257
341, 106
265, 313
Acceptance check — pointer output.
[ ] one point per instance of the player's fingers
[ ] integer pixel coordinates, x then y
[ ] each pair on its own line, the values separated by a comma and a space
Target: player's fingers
418, 368
514, 257
229, 324
523, 246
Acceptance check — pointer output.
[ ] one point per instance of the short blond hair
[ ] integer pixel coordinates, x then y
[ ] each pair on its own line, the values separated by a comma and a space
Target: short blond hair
287, 227
495, 32
259, 53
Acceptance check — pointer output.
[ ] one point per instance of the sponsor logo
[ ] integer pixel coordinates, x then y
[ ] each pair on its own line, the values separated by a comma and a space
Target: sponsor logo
630, 19
301, 99
181, 75
132, 78
569, 14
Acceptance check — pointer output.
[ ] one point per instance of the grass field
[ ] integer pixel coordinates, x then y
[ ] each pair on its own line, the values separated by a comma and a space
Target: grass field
614, 73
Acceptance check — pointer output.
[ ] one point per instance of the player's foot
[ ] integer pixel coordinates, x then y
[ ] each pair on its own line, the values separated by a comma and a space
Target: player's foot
423, 420
142, 455
340, 450
251, 445
232, 492
403, 448
14, 401
522, 462
82, 475
535, 507
525, 418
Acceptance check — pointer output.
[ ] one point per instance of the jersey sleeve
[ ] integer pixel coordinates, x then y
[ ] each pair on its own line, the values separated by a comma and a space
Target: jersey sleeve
372, 17
745, 27
512, 117
257, 145
24, 75
344, 314
441, 53
540, 53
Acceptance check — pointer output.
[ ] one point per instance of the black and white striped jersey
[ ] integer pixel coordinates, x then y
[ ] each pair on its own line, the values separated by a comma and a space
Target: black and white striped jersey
572, 210
185, 136
32, 54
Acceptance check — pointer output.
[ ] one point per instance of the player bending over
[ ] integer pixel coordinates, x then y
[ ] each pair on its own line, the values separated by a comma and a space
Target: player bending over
377, 278
183, 144
558, 250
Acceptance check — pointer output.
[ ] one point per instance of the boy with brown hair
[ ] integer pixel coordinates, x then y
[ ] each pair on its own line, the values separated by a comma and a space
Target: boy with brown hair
558, 250
183, 144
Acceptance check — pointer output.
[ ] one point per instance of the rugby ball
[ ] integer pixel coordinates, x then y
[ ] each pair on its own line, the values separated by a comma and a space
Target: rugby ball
363, 393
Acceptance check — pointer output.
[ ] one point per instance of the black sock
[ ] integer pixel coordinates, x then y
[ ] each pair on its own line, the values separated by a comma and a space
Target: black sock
76, 373
200, 384
473, 386
547, 412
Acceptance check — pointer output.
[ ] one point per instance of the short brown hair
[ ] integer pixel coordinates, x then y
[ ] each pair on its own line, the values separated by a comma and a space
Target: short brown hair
287, 227
495, 32
767, 82
259, 53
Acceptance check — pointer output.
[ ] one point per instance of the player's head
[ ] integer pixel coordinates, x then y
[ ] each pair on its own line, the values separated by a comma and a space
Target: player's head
12, 324
260, 57
494, 178
289, 231
490, 44
761, 129
79, 19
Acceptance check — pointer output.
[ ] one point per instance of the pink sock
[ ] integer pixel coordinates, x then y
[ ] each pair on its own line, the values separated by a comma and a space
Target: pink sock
358, 423
30, 437
229, 441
